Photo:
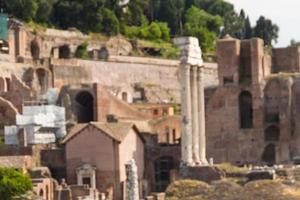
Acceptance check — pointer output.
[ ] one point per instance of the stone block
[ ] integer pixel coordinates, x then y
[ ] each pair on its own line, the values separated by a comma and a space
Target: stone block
261, 175
182, 41
202, 173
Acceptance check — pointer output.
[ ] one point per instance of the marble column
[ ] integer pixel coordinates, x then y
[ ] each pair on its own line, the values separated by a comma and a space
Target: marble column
201, 118
186, 138
195, 114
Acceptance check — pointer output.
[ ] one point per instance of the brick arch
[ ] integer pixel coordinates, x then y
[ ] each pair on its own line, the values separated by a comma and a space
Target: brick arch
64, 52
269, 154
84, 106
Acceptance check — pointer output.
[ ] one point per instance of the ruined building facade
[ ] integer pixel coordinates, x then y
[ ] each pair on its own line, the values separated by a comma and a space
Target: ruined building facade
252, 115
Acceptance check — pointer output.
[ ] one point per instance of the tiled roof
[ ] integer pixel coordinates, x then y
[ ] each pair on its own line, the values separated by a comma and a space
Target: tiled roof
117, 131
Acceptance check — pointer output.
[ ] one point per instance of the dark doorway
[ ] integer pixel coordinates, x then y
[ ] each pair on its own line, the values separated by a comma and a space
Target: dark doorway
64, 52
272, 134
269, 154
42, 76
163, 166
35, 50
85, 107
125, 96
246, 110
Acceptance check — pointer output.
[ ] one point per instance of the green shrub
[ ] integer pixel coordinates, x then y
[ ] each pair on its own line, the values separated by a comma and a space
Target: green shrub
81, 51
154, 31
110, 22
13, 183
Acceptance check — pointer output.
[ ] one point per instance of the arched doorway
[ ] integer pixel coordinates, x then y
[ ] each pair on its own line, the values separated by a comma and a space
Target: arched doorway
246, 110
85, 107
272, 134
64, 52
269, 154
35, 50
163, 166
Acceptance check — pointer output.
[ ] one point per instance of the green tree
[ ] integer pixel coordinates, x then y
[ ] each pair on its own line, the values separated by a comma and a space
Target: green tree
85, 16
171, 11
248, 29
206, 38
13, 183
44, 10
266, 30
196, 17
23, 9
202, 25
134, 13
110, 22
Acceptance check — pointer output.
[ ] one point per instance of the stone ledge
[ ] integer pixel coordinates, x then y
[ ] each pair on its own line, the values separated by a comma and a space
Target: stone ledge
201, 173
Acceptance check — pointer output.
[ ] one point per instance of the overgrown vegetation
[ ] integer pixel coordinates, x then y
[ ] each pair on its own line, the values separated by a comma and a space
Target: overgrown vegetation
146, 19
227, 190
13, 183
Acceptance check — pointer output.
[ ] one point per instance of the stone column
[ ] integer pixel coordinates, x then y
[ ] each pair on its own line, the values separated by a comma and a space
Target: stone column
201, 118
186, 137
132, 184
195, 114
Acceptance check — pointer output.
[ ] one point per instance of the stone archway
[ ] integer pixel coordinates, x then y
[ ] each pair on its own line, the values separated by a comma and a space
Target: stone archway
269, 154
84, 107
64, 52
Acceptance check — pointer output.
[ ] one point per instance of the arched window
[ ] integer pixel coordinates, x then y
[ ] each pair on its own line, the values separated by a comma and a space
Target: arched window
246, 110
163, 166
35, 50
272, 134
64, 52
85, 107
269, 154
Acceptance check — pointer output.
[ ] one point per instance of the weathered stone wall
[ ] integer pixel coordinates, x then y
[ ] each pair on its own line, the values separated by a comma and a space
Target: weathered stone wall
159, 78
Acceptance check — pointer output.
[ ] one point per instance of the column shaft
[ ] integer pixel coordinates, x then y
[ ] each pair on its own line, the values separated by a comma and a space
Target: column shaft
195, 114
186, 138
201, 113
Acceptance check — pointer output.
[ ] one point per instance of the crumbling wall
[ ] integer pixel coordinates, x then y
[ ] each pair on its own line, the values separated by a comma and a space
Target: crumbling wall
159, 78
286, 59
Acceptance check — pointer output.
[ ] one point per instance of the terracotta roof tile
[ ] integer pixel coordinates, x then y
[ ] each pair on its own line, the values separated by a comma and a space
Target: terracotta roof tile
117, 131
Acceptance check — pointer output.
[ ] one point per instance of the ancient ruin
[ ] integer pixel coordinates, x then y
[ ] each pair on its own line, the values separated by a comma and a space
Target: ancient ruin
192, 103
